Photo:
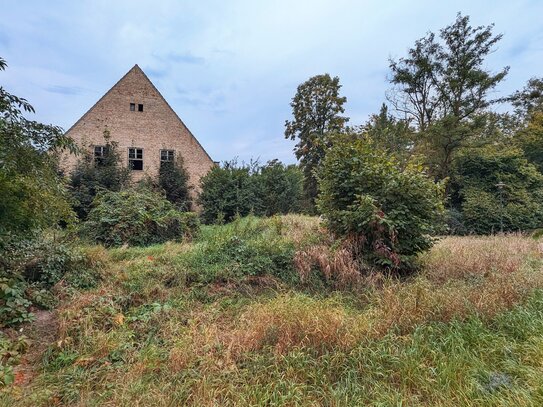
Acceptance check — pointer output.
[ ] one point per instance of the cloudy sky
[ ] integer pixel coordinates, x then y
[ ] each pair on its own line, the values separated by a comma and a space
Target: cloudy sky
230, 68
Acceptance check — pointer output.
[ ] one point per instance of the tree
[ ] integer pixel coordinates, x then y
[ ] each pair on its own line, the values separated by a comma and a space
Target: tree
443, 82
230, 191
529, 99
33, 193
530, 139
281, 187
238, 190
173, 179
389, 133
497, 189
388, 212
95, 173
317, 108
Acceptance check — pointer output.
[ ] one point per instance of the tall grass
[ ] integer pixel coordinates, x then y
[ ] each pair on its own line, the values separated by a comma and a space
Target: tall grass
183, 324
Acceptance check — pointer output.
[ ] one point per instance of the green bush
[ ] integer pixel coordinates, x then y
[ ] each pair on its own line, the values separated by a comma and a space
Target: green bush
282, 188
496, 189
232, 190
246, 247
229, 191
136, 217
93, 175
29, 268
173, 179
390, 213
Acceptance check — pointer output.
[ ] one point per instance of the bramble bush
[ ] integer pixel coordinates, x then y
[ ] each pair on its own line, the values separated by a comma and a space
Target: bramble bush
389, 212
137, 217
29, 268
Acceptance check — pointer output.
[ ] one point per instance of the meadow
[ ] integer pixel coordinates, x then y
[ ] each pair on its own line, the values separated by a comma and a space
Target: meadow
272, 311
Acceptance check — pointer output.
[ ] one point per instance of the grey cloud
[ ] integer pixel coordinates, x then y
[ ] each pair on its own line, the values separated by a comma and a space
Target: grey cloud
64, 90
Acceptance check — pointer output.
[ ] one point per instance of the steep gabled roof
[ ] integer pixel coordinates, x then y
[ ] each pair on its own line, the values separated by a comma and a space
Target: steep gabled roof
137, 69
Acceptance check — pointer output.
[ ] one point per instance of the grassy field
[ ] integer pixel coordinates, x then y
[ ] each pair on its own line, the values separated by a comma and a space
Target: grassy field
272, 312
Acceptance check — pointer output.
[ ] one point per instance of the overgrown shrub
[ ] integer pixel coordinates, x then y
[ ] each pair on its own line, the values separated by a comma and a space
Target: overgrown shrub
229, 191
94, 174
247, 247
497, 189
29, 268
390, 212
173, 179
282, 188
238, 190
137, 217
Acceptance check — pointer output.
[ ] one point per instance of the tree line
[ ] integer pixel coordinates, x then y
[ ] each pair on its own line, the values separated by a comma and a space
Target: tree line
439, 112
438, 151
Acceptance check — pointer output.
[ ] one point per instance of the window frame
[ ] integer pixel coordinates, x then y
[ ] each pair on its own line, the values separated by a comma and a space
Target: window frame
170, 156
132, 107
135, 158
102, 151
140, 107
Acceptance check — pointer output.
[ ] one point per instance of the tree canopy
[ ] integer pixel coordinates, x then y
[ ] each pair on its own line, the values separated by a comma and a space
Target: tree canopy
32, 191
317, 109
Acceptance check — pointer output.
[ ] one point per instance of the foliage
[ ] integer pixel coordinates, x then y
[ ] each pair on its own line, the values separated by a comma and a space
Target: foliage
497, 189
238, 190
93, 175
229, 191
136, 217
14, 306
317, 108
31, 267
247, 247
390, 212
281, 187
443, 82
528, 100
173, 179
33, 194
393, 135
530, 139
10, 354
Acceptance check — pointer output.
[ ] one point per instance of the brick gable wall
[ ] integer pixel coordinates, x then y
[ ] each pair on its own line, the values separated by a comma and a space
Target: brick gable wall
157, 127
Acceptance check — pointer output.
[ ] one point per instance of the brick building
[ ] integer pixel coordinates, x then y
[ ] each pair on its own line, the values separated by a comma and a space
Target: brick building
146, 128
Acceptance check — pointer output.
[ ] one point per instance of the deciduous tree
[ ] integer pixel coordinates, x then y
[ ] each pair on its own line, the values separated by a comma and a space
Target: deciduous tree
317, 111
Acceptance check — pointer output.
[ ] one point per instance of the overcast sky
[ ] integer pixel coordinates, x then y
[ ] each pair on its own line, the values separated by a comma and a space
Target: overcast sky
230, 68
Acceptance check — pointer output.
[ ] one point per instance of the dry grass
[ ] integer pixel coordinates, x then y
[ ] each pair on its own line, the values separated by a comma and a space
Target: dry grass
209, 345
295, 321
297, 228
338, 266
463, 276
479, 256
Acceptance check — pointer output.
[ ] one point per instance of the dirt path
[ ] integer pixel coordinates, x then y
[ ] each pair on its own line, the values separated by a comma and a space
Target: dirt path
42, 332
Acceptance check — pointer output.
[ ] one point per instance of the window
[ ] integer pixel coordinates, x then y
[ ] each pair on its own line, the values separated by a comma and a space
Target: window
140, 108
166, 156
135, 159
132, 107
100, 153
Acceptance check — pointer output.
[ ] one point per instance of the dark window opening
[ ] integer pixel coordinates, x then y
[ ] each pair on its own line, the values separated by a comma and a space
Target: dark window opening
167, 156
140, 108
100, 153
135, 159
132, 107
